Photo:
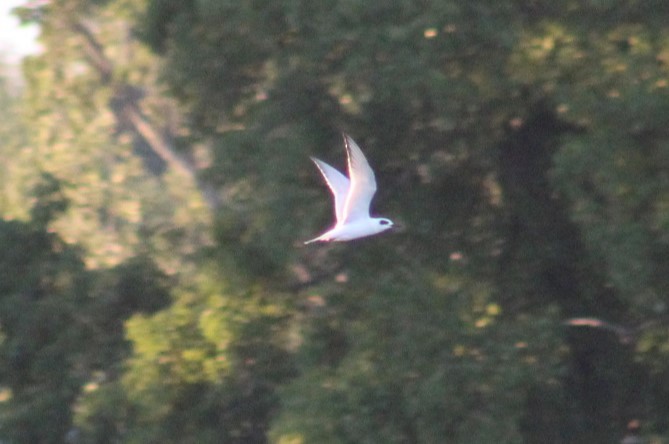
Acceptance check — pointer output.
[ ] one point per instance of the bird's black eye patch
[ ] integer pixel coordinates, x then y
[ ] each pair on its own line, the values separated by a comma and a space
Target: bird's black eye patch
384, 222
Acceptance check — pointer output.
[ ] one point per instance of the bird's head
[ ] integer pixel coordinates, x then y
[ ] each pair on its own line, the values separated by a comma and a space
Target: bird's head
384, 224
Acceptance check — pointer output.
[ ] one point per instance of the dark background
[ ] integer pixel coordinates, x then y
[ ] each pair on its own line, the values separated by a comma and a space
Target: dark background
156, 189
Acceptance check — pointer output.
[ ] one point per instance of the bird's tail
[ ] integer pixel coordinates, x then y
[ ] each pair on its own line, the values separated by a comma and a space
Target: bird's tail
322, 238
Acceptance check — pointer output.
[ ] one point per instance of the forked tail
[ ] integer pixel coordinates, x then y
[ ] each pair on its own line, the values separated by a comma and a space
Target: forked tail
320, 238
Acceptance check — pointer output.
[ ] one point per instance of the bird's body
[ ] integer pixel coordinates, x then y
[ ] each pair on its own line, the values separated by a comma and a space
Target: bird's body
352, 198
354, 230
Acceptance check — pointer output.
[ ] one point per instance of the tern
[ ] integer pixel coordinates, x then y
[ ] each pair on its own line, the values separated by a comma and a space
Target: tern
352, 198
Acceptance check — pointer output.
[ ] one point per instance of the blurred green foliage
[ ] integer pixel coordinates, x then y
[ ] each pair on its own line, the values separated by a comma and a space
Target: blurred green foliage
156, 190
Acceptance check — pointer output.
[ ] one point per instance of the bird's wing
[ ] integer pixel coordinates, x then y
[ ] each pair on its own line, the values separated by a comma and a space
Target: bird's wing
363, 183
338, 184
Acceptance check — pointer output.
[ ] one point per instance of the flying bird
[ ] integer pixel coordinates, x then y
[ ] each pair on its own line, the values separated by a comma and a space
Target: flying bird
352, 197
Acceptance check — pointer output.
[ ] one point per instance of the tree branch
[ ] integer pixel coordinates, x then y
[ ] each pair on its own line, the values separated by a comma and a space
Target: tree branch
127, 110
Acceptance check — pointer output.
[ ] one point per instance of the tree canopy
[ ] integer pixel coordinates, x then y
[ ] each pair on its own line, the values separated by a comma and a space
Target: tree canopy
156, 191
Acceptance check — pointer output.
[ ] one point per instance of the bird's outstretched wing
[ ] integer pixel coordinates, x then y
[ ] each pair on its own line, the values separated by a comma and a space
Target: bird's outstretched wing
338, 183
362, 183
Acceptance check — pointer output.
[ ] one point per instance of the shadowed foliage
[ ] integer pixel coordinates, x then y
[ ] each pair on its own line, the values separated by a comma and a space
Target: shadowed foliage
158, 190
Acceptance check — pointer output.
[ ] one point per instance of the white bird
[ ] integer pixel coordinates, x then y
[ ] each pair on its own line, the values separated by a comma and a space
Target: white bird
352, 197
